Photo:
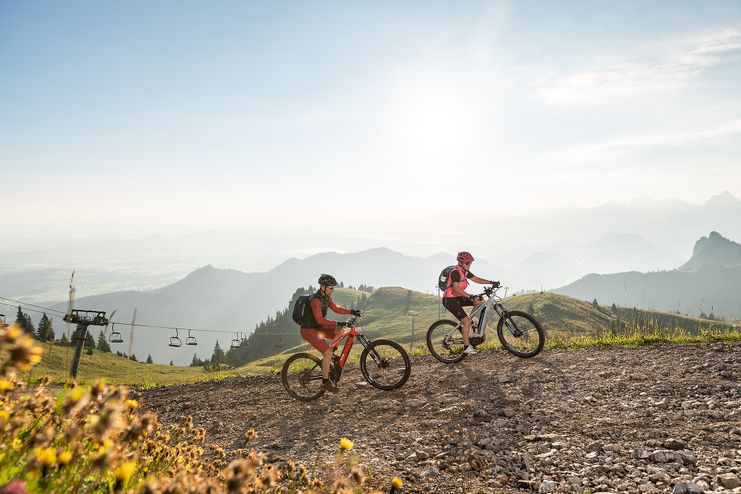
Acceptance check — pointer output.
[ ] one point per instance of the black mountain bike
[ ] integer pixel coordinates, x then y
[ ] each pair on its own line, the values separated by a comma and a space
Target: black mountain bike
519, 332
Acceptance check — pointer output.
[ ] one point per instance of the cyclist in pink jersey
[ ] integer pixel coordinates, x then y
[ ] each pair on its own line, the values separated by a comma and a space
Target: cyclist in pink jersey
455, 296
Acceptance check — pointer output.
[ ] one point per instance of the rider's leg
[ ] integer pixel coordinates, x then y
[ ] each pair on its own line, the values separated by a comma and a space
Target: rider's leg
466, 323
326, 362
316, 339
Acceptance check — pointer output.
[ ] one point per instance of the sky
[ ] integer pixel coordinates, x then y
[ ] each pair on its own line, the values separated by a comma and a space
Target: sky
360, 116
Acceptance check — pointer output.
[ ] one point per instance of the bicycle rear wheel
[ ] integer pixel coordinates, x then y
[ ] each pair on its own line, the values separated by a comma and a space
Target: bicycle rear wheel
521, 334
444, 346
388, 366
302, 376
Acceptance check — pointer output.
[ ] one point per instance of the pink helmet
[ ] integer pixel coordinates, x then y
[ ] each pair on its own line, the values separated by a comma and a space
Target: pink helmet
465, 257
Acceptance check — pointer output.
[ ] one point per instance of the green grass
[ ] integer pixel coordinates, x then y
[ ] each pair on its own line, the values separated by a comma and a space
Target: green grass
57, 360
570, 323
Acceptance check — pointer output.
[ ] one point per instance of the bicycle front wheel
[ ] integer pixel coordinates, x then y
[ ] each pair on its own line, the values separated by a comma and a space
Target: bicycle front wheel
445, 342
521, 334
302, 376
385, 365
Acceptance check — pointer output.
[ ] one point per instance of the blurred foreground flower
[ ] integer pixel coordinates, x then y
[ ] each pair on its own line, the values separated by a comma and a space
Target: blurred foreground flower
396, 485
14, 487
346, 444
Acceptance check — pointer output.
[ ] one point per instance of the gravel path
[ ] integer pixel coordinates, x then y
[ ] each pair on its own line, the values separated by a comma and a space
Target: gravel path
663, 418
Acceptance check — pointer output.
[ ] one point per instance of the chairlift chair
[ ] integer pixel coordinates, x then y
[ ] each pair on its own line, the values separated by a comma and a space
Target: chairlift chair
115, 336
235, 342
278, 342
243, 340
175, 340
190, 340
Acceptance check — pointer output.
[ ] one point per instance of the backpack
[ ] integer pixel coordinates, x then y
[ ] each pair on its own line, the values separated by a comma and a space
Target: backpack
442, 281
299, 308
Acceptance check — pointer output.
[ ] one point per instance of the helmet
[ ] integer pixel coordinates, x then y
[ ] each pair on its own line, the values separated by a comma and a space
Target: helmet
465, 257
327, 280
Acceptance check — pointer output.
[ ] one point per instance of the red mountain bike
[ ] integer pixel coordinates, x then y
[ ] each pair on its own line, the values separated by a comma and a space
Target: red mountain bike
384, 364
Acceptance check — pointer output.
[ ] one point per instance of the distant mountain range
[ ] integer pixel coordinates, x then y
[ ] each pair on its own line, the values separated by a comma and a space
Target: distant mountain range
708, 283
546, 250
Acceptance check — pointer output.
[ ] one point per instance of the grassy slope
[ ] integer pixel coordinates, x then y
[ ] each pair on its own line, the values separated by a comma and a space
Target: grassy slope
561, 315
117, 370
385, 317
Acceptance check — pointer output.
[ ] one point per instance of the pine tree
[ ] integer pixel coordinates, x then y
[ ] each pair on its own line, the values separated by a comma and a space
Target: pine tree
44, 331
171, 363
133, 357
218, 356
63, 340
24, 320
103, 345
89, 342
149, 359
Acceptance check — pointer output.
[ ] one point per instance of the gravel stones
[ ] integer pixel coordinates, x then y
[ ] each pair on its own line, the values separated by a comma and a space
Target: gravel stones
606, 420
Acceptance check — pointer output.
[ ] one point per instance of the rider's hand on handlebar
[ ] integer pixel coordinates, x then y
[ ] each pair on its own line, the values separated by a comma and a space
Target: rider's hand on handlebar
342, 324
495, 284
356, 312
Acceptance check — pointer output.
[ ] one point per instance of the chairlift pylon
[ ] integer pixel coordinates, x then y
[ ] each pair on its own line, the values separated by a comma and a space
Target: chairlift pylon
115, 336
175, 340
190, 340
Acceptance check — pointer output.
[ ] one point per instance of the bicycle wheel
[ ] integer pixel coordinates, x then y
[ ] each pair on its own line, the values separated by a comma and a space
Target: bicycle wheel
521, 334
388, 366
444, 346
302, 376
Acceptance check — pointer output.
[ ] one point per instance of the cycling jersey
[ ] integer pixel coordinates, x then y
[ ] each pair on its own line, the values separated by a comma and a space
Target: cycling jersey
458, 275
319, 307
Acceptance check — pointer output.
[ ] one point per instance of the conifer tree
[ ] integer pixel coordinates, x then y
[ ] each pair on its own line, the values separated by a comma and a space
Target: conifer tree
102, 344
149, 359
45, 332
171, 363
24, 320
218, 356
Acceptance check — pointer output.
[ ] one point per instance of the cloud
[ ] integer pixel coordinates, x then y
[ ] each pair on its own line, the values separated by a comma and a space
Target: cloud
630, 145
632, 78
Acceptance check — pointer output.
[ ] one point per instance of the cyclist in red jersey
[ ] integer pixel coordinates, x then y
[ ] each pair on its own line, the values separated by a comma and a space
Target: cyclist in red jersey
455, 296
320, 329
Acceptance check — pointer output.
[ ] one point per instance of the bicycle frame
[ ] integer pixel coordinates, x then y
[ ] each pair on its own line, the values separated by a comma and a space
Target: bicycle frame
351, 335
493, 302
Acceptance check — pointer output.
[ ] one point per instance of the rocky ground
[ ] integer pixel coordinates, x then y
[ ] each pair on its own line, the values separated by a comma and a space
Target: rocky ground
655, 419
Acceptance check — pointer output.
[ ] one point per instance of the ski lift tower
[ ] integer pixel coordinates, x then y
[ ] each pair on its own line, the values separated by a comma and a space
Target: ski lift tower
83, 319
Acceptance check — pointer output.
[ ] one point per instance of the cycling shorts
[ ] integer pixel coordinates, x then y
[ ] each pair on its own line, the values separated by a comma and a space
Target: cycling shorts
317, 338
455, 306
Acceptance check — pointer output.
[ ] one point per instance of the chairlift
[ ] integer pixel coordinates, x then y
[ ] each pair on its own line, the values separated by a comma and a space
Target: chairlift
190, 340
278, 342
115, 336
243, 340
235, 342
175, 340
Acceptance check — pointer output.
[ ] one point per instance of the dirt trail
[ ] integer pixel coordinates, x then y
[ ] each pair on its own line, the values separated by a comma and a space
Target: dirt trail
655, 419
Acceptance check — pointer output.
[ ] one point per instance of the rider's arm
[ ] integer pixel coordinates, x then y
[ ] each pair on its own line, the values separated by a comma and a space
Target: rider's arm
316, 309
336, 308
481, 281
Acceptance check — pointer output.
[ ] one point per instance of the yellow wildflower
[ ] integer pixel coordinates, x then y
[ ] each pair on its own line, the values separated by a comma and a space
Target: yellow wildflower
6, 385
346, 444
132, 404
17, 443
65, 457
4, 415
125, 471
46, 456
13, 332
76, 395
397, 483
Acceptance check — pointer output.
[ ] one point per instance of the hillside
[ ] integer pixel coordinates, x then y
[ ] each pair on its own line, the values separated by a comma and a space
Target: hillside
385, 317
590, 420
116, 370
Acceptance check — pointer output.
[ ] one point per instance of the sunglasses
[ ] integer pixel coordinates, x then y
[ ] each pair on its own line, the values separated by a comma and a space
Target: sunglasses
466, 263
330, 288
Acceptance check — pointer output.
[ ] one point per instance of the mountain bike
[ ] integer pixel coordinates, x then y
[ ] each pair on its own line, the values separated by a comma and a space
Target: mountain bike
384, 364
519, 332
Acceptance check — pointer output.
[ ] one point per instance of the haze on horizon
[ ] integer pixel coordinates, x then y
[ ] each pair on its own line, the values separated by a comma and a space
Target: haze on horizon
367, 119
